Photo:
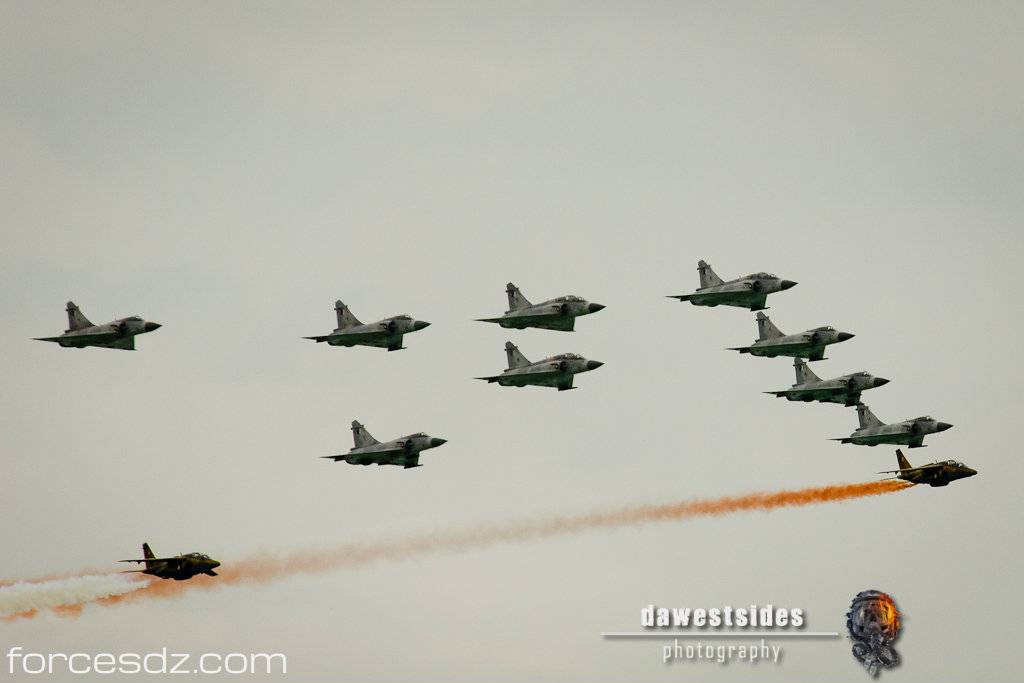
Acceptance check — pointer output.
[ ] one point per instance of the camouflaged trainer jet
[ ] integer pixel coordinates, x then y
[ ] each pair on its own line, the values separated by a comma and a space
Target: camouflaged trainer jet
118, 334
933, 474
404, 451
873, 431
750, 291
179, 567
846, 389
386, 333
771, 342
556, 371
559, 313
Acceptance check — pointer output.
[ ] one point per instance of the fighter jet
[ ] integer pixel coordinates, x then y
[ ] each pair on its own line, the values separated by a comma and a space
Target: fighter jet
750, 291
118, 334
772, 342
179, 567
386, 333
559, 313
846, 389
933, 474
556, 371
404, 451
873, 431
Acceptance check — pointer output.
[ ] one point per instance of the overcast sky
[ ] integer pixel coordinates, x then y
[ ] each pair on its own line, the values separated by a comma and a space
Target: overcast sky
231, 169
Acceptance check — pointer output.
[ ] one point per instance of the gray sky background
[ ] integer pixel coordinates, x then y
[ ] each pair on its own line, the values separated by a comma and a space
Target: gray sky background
229, 170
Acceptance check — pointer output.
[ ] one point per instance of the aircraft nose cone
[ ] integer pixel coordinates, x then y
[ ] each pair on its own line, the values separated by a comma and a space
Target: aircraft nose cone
942, 426
149, 327
594, 308
880, 381
420, 324
786, 284
435, 442
843, 336
594, 364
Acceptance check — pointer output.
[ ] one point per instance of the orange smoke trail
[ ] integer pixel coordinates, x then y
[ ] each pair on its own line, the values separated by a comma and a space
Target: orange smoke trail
263, 568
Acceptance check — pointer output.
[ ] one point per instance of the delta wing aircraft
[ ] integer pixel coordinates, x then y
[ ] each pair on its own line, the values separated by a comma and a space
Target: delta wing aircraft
771, 342
873, 431
404, 451
559, 313
933, 474
750, 291
846, 389
556, 371
386, 333
179, 567
117, 334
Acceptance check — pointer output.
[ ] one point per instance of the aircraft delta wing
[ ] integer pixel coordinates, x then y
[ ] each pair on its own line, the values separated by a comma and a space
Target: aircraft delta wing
387, 333
559, 313
772, 342
873, 431
117, 334
555, 371
845, 390
750, 291
404, 451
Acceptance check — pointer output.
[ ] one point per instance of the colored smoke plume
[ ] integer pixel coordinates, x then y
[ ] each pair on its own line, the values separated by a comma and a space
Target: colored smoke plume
62, 595
67, 596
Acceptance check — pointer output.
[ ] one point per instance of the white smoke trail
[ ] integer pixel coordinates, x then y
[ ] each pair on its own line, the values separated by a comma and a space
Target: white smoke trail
27, 598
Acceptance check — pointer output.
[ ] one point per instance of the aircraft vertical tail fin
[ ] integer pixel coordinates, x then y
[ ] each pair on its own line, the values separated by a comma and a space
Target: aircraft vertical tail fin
361, 436
345, 317
515, 359
902, 460
766, 329
707, 276
804, 374
866, 417
516, 300
76, 321
147, 553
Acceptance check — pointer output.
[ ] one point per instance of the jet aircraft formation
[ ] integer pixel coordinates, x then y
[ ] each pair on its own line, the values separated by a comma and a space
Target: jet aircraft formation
559, 371
751, 292
556, 371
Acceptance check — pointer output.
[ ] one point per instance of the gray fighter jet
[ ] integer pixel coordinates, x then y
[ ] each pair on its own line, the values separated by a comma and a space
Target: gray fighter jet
118, 334
386, 333
404, 451
750, 291
559, 313
771, 342
846, 389
873, 431
556, 371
